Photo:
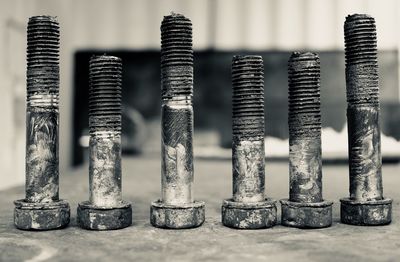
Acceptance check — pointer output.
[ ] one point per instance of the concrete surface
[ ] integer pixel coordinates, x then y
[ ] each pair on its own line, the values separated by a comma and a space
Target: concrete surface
212, 241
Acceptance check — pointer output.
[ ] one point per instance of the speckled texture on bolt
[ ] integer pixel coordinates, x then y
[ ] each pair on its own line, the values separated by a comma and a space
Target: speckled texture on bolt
248, 208
177, 207
305, 207
42, 120
305, 164
365, 160
105, 209
177, 109
248, 164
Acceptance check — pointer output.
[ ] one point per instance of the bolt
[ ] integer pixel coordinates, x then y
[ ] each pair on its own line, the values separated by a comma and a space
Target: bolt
105, 209
366, 204
305, 207
248, 208
177, 208
42, 209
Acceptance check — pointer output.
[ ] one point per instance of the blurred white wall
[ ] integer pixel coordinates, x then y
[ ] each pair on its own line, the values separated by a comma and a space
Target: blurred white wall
134, 24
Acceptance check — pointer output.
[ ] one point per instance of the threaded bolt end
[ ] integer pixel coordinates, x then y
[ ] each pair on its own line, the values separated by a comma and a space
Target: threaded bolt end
248, 97
105, 94
43, 57
176, 57
361, 60
304, 95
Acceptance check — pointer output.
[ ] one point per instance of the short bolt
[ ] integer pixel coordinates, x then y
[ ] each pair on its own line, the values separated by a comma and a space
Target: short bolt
248, 208
305, 207
177, 207
42, 209
366, 204
105, 209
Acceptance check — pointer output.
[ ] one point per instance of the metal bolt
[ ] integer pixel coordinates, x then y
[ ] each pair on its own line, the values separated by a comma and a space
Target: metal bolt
248, 208
366, 204
177, 208
42, 209
305, 207
105, 209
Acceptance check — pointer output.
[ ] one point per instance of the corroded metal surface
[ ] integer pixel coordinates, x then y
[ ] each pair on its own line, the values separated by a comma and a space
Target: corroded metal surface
42, 155
306, 215
246, 215
105, 209
366, 213
177, 208
41, 209
177, 153
41, 216
248, 167
181, 216
248, 207
365, 160
305, 207
305, 165
96, 217
105, 170
305, 170
364, 153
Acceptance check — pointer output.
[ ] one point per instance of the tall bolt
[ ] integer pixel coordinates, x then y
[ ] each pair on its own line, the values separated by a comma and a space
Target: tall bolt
105, 209
248, 208
177, 208
305, 207
42, 209
366, 204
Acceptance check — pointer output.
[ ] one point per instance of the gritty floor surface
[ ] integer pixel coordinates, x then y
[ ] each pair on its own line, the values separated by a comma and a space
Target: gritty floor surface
212, 241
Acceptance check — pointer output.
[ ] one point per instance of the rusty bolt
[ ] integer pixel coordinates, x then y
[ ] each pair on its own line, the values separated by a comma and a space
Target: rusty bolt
42, 209
305, 207
366, 204
248, 208
105, 209
177, 207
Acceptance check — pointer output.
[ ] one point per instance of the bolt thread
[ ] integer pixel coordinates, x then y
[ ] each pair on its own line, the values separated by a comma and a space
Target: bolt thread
304, 95
248, 97
361, 60
43, 35
105, 94
176, 57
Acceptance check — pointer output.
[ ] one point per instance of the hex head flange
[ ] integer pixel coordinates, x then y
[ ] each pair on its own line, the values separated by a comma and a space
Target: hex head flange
366, 213
306, 215
104, 218
177, 217
249, 215
41, 216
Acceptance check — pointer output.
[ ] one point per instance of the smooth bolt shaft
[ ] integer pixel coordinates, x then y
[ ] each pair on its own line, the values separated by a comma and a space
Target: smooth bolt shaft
305, 167
177, 109
105, 131
42, 182
363, 108
248, 155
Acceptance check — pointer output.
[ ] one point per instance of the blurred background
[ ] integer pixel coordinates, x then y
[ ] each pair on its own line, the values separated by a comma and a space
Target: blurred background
221, 29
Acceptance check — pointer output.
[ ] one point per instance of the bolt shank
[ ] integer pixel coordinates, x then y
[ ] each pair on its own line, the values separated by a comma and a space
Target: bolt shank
364, 153
42, 154
105, 169
177, 153
248, 167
